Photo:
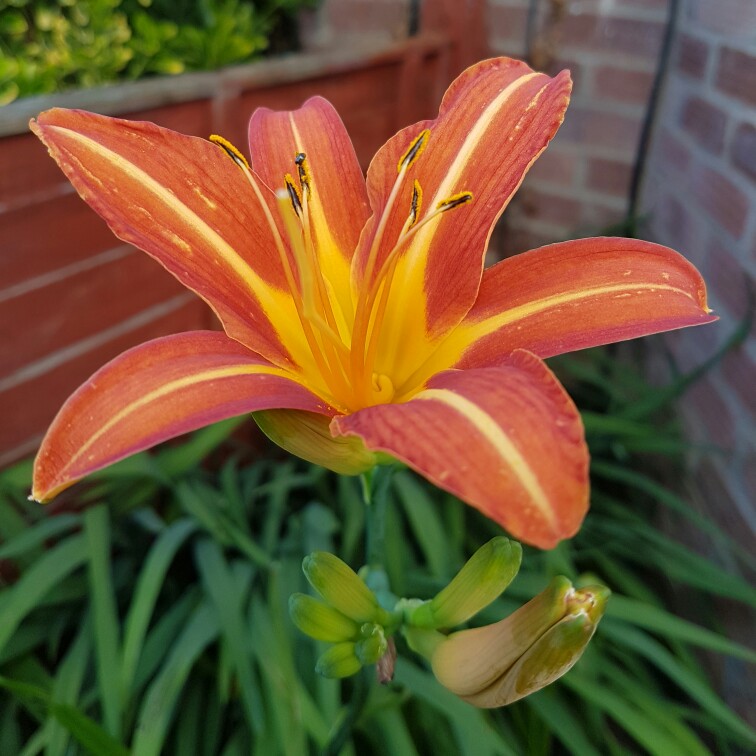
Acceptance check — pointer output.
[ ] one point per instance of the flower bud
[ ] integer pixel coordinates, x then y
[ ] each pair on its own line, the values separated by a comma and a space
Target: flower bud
339, 661
321, 621
307, 435
373, 644
501, 663
342, 588
483, 578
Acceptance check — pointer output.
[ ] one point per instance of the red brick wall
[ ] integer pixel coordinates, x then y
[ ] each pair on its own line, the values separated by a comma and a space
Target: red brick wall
72, 296
700, 197
579, 186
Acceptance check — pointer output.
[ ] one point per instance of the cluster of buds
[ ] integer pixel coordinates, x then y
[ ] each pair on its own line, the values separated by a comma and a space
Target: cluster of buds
350, 616
487, 666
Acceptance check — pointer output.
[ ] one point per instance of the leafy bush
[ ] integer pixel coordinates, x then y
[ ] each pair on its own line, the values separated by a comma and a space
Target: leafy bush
50, 46
147, 613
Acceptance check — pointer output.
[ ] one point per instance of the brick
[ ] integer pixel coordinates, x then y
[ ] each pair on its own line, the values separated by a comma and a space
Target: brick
508, 23
622, 85
628, 36
592, 127
679, 226
551, 208
722, 200
39, 238
390, 16
648, 5
687, 349
515, 239
705, 123
743, 149
731, 18
671, 151
729, 284
366, 99
692, 55
27, 169
556, 167
599, 219
736, 74
715, 484
705, 400
610, 176
52, 317
738, 370
31, 406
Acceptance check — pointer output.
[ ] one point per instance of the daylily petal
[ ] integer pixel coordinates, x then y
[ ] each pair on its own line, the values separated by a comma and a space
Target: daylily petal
183, 201
585, 293
574, 295
337, 201
507, 440
156, 391
494, 121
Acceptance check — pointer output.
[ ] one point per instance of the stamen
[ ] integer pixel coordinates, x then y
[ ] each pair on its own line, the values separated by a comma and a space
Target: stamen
366, 301
305, 181
294, 196
304, 171
308, 313
416, 204
334, 378
385, 275
230, 150
413, 151
454, 201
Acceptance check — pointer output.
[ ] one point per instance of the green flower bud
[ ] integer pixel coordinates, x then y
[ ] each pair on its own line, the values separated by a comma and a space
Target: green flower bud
483, 578
373, 644
501, 663
339, 661
342, 588
321, 621
307, 435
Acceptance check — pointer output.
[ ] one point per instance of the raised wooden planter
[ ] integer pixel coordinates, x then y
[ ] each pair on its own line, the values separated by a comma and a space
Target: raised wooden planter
71, 295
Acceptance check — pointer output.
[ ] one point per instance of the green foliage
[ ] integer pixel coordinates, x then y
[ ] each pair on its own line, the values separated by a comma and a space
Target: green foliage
147, 612
48, 45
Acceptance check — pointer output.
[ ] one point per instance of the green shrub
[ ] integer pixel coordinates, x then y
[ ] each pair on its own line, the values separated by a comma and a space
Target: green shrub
51, 46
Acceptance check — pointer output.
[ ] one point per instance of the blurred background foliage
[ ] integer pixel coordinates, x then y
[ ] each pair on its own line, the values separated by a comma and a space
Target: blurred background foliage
145, 611
50, 46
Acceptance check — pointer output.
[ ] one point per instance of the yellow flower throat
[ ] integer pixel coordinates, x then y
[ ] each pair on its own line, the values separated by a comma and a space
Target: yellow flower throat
343, 346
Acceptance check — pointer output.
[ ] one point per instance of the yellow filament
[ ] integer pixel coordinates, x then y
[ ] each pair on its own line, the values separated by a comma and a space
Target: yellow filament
324, 359
461, 198
322, 292
417, 202
385, 275
290, 200
364, 306
413, 152
288, 273
232, 151
294, 196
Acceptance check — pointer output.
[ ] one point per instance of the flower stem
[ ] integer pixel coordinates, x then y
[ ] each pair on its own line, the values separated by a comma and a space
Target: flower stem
375, 489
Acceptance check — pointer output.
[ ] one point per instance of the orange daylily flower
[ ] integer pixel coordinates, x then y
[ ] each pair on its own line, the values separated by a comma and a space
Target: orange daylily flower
358, 318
